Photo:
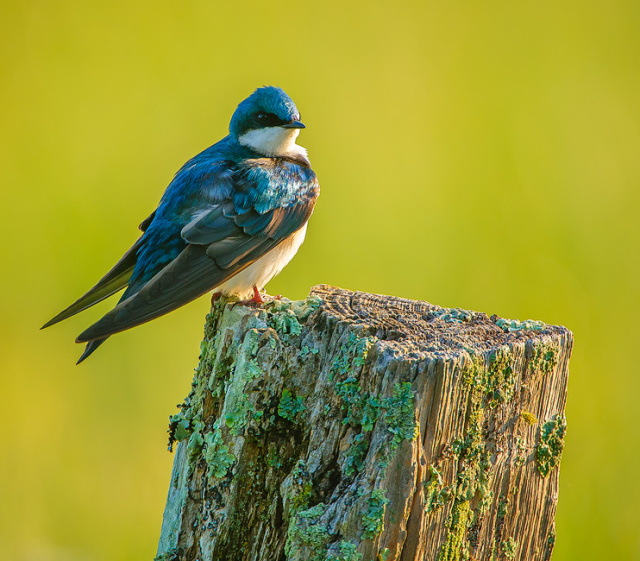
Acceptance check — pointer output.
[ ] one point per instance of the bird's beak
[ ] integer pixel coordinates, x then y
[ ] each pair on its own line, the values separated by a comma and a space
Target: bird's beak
294, 125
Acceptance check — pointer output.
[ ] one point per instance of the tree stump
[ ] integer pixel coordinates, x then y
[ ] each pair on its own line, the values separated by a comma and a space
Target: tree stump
352, 426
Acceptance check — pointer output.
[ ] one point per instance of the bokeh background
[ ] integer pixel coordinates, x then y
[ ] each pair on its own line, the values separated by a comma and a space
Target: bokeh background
483, 155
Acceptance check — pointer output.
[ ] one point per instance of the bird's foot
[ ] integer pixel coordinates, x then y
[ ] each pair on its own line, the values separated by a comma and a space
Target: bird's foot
257, 297
255, 301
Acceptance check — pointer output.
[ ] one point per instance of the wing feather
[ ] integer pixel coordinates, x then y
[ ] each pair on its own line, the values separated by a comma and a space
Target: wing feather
115, 280
211, 225
190, 275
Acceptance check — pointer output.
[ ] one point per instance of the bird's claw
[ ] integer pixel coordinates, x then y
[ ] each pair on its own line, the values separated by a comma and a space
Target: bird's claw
255, 301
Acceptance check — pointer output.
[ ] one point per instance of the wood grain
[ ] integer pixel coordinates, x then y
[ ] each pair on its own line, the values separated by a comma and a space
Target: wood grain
354, 426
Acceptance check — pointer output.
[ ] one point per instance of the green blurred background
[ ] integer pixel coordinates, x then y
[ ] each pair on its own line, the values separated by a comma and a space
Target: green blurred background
478, 155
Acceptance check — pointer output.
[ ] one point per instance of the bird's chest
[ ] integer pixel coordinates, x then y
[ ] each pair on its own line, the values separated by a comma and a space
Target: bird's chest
268, 183
261, 271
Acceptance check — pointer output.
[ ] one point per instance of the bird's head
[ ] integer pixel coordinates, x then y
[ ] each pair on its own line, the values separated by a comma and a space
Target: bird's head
268, 122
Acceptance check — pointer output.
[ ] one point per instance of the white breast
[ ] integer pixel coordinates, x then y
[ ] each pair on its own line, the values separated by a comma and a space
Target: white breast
264, 269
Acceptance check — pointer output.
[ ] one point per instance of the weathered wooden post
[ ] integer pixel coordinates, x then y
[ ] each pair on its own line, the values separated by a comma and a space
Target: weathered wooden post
351, 426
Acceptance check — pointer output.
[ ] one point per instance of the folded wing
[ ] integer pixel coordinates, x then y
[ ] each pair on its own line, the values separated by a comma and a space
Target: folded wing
222, 240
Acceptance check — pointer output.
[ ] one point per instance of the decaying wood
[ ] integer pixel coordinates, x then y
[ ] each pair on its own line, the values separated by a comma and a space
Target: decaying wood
352, 426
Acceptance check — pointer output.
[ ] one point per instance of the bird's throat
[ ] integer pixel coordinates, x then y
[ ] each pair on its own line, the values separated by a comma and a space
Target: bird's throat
273, 142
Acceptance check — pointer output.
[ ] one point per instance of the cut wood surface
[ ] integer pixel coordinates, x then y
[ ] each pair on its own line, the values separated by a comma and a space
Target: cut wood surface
352, 426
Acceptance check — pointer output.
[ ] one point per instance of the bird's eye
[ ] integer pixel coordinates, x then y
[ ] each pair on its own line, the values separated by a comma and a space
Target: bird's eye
268, 120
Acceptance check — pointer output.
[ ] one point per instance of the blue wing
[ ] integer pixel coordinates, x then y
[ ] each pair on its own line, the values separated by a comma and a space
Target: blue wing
208, 229
114, 281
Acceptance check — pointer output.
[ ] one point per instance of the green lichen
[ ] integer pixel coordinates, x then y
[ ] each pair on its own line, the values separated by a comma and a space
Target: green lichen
474, 466
551, 541
301, 500
208, 352
237, 407
355, 455
487, 389
516, 325
306, 350
222, 369
454, 315
455, 547
501, 377
181, 427
285, 323
352, 355
186, 425
300, 488
212, 368
551, 444
509, 547
272, 456
307, 536
473, 373
373, 517
195, 444
346, 551
207, 357
399, 415
521, 451
364, 410
474, 479
174, 554
304, 308
471, 492
383, 554
232, 356
436, 496
544, 357
361, 409
217, 454
503, 508
501, 514
529, 418
285, 316
290, 406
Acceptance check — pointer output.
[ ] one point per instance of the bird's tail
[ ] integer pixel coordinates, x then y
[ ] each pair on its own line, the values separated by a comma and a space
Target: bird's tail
91, 346
115, 280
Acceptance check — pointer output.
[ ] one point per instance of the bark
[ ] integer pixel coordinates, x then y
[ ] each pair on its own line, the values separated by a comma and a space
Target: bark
352, 426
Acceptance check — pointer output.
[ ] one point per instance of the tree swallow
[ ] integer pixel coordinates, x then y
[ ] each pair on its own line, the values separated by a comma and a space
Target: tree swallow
231, 219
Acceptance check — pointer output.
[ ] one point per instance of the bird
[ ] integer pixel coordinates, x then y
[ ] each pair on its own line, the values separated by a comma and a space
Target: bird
230, 220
